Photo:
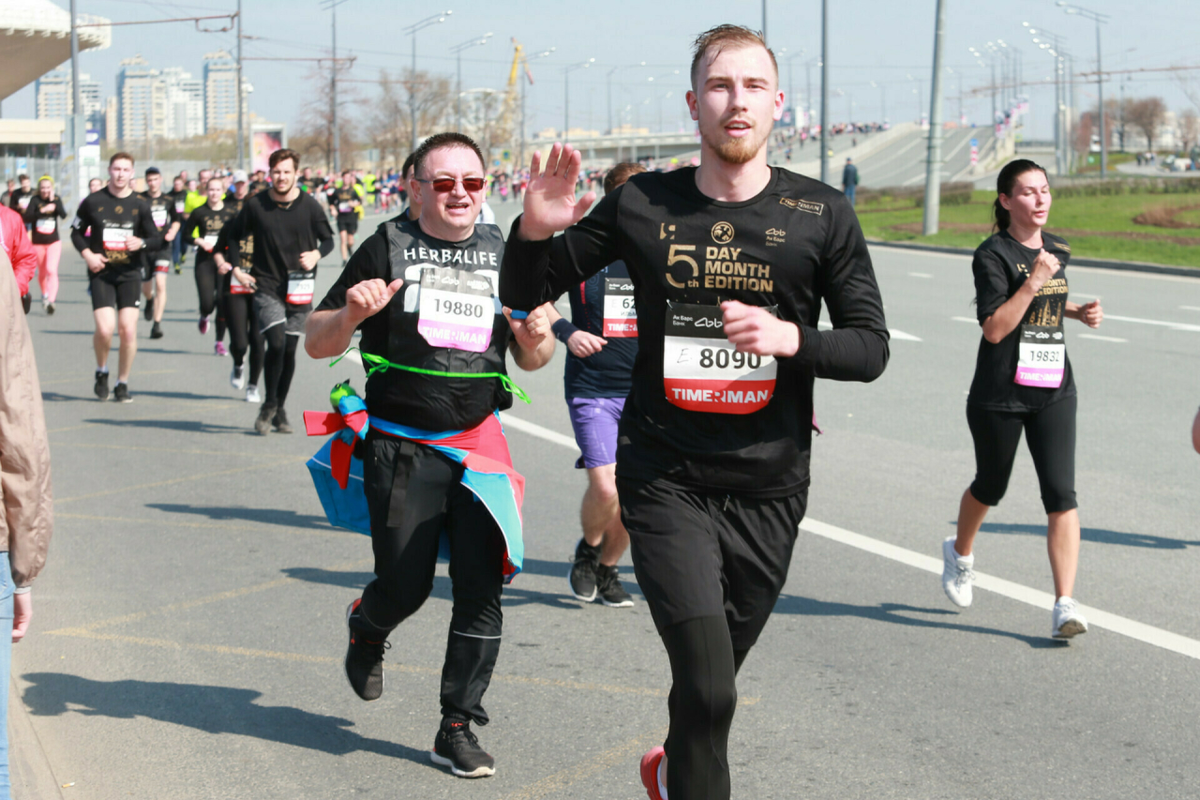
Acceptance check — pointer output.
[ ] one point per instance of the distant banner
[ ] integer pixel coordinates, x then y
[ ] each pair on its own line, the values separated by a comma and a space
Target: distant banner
265, 142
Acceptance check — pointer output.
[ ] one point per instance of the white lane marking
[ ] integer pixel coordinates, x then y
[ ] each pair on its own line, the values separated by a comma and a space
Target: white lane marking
1179, 326
1014, 591
965, 319
1190, 308
919, 275
902, 336
1100, 338
1085, 294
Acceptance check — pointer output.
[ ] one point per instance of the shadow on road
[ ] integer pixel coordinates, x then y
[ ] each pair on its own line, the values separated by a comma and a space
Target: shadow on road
212, 709
272, 516
186, 425
1098, 535
892, 612
57, 397
186, 395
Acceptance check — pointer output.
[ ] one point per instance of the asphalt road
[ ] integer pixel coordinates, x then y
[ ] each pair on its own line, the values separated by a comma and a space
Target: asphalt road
189, 626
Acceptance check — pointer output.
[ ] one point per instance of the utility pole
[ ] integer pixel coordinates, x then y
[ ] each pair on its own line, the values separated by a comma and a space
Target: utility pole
525, 80
412, 76
241, 124
77, 124
1099, 19
764, 30
567, 93
825, 91
457, 50
933, 165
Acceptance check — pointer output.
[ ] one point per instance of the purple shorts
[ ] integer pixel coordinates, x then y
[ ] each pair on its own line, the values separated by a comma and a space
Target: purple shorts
595, 422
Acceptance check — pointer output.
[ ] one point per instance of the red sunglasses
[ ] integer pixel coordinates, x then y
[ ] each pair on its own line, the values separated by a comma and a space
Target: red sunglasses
443, 185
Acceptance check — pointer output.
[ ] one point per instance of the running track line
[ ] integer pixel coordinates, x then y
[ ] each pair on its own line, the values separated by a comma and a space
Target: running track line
1140, 631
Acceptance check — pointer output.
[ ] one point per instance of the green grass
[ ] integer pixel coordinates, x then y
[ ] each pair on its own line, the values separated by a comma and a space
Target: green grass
1098, 214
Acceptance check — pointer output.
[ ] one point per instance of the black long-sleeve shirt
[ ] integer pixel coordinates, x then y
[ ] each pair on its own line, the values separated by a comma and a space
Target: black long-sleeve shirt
793, 247
281, 231
44, 215
108, 221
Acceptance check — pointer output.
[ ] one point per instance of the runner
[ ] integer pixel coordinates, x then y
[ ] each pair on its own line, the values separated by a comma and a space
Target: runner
20, 252
601, 340
414, 202
95, 185
462, 330
1023, 379
259, 184
291, 235
6, 195
203, 227
731, 263
43, 213
237, 298
156, 266
178, 195
20, 198
118, 224
344, 202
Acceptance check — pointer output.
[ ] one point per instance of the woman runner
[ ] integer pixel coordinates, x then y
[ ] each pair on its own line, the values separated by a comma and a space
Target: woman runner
203, 226
1023, 379
43, 213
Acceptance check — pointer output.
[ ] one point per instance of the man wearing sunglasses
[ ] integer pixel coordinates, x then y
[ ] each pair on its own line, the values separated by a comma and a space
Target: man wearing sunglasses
423, 294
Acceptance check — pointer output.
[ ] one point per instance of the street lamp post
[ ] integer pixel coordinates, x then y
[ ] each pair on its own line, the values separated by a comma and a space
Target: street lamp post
608, 85
524, 86
1099, 19
1055, 49
335, 132
825, 91
933, 165
457, 50
567, 93
412, 77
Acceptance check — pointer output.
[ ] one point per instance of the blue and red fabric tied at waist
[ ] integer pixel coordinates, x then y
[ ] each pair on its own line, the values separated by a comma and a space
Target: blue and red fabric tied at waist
482, 451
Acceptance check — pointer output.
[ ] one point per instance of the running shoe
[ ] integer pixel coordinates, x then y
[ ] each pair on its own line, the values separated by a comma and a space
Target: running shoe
50, 309
457, 747
1066, 620
237, 377
121, 393
609, 587
252, 394
280, 421
178, 267
364, 658
26, 302
148, 310
262, 425
649, 770
583, 571
958, 574
156, 331
101, 388
219, 349
203, 324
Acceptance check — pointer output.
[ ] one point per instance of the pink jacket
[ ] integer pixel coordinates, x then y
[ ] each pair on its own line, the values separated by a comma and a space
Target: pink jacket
14, 241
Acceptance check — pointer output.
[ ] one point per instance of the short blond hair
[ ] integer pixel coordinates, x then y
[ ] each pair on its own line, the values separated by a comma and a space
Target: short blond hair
724, 36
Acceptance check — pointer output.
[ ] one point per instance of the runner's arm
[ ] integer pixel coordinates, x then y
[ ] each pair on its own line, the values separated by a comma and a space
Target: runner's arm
21, 252
148, 232
532, 344
324, 232
83, 221
330, 327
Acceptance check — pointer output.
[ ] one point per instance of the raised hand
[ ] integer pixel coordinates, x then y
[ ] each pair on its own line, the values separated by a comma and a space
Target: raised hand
368, 298
550, 202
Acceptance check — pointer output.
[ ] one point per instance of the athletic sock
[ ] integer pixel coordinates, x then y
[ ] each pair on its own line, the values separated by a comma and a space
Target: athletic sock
103, 370
662, 784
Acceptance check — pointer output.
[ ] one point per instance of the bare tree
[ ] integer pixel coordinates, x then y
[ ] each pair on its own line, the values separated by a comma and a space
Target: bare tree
1083, 132
1147, 116
315, 133
388, 122
429, 100
1189, 130
1188, 82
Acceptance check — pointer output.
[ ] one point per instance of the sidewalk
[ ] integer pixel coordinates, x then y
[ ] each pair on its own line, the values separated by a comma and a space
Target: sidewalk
29, 769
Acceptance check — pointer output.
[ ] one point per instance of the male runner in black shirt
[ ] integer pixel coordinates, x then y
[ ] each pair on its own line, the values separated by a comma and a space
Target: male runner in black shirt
442, 272
156, 266
290, 235
343, 203
118, 224
730, 263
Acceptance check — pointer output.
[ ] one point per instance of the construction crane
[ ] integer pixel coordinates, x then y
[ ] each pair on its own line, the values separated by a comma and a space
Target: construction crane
505, 130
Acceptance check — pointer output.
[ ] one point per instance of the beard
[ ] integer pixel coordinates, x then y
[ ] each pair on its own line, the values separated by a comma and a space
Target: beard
734, 150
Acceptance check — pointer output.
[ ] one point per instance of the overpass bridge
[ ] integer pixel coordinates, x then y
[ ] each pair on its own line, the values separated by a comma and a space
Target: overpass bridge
607, 149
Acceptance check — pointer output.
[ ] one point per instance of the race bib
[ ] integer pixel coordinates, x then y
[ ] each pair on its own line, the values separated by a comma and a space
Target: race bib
115, 239
620, 315
159, 215
210, 240
1042, 356
45, 225
24, 201
237, 287
702, 371
344, 208
162, 265
300, 288
180, 206
456, 309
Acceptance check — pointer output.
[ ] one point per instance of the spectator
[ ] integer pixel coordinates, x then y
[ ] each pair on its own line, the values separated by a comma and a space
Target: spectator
849, 179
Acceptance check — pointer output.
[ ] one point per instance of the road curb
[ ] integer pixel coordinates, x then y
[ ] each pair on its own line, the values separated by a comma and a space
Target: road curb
29, 769
1104, 263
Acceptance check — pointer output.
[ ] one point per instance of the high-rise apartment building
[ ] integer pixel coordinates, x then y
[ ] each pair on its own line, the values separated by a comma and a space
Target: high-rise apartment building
184, 104
220, 91
142, 94
55, 99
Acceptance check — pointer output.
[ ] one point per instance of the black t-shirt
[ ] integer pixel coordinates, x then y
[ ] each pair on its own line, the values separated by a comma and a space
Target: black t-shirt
45, 222
281, 231
206, 223
178, 201
162, 211
20, 199
1001, 267
431, 403
344, 200
104, 222
796, 245
601, 306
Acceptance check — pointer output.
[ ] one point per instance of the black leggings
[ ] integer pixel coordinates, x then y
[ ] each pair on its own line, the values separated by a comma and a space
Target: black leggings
243, 333
414, 495
279, 363
206, 284
1050, 434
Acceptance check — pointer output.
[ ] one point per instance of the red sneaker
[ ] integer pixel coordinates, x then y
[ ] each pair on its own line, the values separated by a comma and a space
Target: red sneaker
649, 770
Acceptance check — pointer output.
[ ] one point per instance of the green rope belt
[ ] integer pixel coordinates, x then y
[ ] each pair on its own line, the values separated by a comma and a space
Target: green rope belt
380, 364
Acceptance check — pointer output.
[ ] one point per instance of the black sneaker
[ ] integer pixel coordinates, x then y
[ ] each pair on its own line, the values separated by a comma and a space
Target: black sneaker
280, 421
364, 658
101, 387
121, 393
26, 302
156, 331
50, 309
583, 571
457, 748
148, 311
609, 587
262, 425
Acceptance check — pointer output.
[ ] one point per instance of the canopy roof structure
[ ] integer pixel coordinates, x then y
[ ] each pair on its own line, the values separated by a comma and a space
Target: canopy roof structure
35, 37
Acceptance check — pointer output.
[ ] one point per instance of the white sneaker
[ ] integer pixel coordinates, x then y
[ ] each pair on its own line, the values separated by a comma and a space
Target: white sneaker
1066, 620
237, 377
958, 574
252, 394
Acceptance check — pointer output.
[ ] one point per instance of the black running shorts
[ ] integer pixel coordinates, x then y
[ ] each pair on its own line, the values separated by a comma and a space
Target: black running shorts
699, 555
348, 223
119, 290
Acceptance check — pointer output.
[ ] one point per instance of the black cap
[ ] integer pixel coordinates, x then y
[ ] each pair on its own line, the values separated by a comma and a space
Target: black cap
153, 171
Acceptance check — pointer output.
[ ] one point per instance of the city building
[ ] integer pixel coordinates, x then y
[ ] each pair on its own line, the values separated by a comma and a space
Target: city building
220, 91
142, 94
55, 100
184, 104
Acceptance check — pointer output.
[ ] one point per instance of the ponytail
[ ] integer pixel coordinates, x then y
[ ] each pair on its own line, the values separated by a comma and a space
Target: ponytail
1000, 216
1004, 186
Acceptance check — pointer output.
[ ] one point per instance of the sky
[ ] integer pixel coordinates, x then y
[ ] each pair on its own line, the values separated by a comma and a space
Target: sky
880, 41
